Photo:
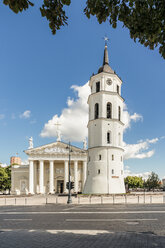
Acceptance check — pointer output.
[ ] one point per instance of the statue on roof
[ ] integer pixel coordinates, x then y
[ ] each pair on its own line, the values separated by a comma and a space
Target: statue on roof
85, 144
30, 143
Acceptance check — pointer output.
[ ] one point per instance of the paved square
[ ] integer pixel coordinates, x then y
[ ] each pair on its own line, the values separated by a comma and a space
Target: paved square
83, 226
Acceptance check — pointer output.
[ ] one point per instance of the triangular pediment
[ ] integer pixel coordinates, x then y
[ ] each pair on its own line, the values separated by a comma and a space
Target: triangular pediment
54, 148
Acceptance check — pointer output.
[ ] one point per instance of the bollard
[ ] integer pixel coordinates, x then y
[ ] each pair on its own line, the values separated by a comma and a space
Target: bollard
101, 199
125, 199
144, 198
113, 199
138, 198
90, 199
5, 201
15, 201
78, 200
56, 199
25, 201
46, 200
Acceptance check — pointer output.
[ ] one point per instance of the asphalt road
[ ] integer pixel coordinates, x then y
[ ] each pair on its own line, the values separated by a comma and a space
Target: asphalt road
82, 226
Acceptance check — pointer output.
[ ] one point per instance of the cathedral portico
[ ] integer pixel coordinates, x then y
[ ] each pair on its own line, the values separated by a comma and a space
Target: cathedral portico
49, 166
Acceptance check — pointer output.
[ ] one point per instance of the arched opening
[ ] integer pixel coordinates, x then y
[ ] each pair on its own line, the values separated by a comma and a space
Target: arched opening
119, 113
97, 86
109, 110
108, 137
96, 111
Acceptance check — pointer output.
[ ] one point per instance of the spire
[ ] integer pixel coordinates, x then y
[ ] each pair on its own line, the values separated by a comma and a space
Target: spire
105, 60
105, 68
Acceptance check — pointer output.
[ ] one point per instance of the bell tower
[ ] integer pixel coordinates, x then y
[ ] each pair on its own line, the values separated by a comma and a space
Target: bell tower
105, 133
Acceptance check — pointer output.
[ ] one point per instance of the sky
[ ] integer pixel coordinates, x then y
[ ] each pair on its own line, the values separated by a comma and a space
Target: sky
44, 79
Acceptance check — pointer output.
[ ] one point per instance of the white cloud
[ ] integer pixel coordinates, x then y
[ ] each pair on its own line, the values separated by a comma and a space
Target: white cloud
139, 150
128, 118
73, 119
26, 114
2, 116
3, 165
128, 172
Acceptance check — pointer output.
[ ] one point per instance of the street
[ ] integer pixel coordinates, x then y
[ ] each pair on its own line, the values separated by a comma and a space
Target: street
82, 226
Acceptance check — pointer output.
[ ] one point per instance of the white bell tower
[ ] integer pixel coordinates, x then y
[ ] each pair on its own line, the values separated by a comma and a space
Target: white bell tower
105, 133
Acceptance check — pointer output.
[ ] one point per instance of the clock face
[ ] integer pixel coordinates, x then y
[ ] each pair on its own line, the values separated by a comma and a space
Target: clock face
109, 81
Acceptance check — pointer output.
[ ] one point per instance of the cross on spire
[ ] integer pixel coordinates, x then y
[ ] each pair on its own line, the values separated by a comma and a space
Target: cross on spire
106, 39
58, 131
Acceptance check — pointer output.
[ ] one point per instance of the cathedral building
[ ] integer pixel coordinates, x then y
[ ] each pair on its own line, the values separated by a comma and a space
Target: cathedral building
98, 170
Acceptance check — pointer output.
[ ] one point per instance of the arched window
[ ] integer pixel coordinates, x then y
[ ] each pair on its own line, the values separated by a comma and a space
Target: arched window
119, 113
97, 86
112, 171
96, 111
108, 137
118, 89
109, 110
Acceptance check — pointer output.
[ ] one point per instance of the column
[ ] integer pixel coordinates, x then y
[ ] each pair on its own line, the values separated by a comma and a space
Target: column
75, 176
84, 172
31, 177
66, 175
41, 179
51, 177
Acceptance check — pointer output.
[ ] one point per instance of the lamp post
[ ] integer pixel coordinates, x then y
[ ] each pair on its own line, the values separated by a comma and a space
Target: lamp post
69, 194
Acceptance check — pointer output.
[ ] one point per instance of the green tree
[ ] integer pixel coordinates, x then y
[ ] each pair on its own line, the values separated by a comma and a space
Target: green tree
5, 178
134, 182
153, 181
145, 19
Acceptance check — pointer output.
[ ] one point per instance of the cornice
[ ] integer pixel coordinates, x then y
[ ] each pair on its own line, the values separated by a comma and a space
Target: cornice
106, 119
107, 93
108, 147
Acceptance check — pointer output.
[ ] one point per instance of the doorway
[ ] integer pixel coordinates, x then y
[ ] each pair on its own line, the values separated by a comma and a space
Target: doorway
60, 186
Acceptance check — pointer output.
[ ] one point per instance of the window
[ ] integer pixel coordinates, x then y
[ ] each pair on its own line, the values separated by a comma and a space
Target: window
97, 86
112, 157
118, 89
99, 156
119, 113
89, 158
112, 171
108, 137
96, 111
109, 110
98, 171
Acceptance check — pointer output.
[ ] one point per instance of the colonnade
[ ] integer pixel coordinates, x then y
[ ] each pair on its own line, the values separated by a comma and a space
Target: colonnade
51, 176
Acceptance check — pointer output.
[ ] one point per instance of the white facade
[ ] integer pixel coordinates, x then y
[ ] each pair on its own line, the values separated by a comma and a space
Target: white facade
47, 172
105, 133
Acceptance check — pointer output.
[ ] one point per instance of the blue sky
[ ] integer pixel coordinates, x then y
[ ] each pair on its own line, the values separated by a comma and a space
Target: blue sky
38, 69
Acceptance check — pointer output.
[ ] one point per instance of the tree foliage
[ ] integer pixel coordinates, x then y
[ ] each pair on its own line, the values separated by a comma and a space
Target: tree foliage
153, 181
145, 19
134, 182
5, 178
